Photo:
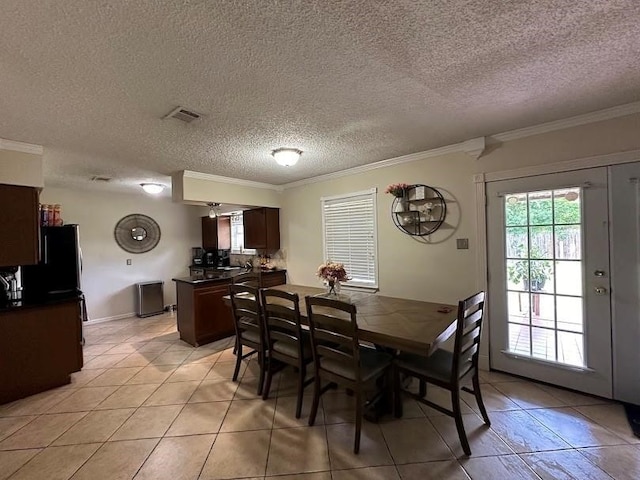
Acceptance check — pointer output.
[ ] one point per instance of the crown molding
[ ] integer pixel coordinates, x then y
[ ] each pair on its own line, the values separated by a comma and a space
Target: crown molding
474, 147
20, 147
230, 180
592, 117
412, 157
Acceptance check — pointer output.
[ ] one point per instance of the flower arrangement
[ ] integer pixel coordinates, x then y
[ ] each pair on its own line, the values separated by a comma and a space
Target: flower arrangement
397, 189
332, 272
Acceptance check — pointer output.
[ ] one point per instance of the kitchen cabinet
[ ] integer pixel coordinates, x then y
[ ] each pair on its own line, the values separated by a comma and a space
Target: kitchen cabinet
262, 228
209, 233
202, 315
19, 220
40, 346
273, 278
216, 233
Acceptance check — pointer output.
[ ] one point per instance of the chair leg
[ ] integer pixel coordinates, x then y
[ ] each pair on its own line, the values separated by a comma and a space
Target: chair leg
316, 399
267, 383
263, 366
422, 390
359, 406
457, 415
478, 395
238, 361
397, 394
302, 372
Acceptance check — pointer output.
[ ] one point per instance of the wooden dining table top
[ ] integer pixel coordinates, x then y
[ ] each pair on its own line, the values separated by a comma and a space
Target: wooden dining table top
396, 323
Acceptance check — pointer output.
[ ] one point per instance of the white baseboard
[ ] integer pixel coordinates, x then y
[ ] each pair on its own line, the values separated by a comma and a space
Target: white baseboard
108, 319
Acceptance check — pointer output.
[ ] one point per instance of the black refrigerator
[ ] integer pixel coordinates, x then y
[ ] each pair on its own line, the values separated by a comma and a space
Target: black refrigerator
58, 273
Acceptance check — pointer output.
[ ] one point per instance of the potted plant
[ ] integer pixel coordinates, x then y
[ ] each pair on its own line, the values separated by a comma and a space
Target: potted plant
533, 274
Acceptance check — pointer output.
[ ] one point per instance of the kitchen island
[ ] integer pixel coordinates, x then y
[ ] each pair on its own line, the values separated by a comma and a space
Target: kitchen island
203, 317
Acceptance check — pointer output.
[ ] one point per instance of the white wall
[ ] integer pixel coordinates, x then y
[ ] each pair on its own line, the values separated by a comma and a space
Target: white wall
409, 267
19, 168
107, 280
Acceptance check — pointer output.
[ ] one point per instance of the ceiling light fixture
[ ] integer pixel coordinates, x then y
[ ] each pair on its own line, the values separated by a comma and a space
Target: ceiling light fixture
286, 157
153, 188
214, 210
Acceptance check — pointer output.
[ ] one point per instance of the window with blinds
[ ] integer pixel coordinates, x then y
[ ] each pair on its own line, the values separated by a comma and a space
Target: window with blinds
350, 235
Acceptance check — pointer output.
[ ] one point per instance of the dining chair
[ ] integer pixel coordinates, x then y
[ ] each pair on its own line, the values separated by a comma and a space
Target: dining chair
287, 342
338, 356
247, 278
249, 327
448, 370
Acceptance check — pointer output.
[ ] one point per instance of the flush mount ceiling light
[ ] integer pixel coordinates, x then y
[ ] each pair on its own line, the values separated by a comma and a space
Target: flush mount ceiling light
214, 210
153, 188
286, 156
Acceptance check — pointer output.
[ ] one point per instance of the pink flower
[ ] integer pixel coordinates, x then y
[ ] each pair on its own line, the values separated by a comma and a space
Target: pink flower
332, 271
397, 189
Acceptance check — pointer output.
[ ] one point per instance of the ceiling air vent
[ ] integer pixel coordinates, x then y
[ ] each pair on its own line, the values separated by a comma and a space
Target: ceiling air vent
181, 113
100, 178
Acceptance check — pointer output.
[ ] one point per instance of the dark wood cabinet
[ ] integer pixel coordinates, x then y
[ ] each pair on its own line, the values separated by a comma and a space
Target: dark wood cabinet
19, 220
271, 279
262, 228
216, 233
40, 346
209, 233
202, 315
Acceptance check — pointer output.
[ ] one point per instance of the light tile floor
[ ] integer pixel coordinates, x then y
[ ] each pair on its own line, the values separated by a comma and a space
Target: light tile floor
148, 406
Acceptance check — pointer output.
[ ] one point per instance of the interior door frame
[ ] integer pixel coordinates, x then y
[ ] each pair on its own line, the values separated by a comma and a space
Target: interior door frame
480, 181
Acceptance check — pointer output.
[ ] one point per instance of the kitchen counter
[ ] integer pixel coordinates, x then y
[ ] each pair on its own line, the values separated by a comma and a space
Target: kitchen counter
32, 303
203, 316
223, 275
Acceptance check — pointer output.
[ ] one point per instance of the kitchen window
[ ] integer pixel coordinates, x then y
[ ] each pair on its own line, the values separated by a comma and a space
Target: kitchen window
237, 236
350, 235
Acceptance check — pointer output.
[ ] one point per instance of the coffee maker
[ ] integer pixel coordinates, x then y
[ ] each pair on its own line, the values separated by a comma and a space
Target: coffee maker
10, 288
196, 256
223, 258
210, 258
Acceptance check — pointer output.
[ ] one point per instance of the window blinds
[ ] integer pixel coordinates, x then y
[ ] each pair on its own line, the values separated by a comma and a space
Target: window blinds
350, 235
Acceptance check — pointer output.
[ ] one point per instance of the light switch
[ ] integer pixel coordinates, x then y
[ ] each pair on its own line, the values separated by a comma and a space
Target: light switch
462, 243
128, 261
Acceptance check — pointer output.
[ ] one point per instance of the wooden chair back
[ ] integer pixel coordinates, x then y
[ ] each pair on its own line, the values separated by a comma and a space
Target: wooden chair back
247, 312
467, 337
334, 338
282, 319
248, 278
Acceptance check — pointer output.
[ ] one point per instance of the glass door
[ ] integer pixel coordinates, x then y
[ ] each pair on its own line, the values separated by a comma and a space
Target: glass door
548, 279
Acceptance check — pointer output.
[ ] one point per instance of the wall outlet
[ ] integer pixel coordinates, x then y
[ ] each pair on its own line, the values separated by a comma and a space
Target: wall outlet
462, 243
128, 261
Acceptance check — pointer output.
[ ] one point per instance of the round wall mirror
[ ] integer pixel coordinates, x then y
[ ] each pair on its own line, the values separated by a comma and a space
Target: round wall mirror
137, 233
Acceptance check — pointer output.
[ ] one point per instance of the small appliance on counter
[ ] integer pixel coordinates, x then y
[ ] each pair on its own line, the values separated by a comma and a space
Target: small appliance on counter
224, 259
210, 258
10, 285
196, 256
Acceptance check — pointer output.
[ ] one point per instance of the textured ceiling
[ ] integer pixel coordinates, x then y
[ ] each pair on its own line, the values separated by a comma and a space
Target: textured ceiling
348, 82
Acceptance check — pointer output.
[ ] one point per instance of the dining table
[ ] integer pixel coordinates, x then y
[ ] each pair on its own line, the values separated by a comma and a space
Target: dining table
415, 326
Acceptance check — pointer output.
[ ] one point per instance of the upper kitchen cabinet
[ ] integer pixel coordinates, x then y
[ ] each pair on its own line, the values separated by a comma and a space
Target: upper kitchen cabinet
224, 233
262, 228
19, 220
216, 233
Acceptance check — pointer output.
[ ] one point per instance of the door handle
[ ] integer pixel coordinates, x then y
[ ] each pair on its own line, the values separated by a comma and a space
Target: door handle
600, 290
598, 273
